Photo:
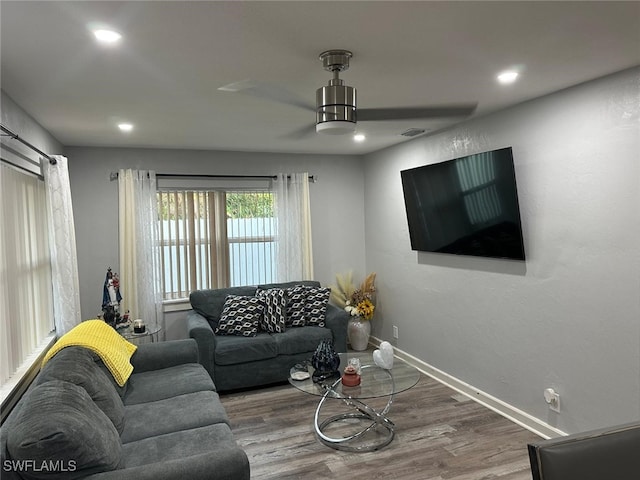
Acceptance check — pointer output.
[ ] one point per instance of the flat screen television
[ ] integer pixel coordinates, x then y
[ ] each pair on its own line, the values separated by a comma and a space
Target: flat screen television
465, 206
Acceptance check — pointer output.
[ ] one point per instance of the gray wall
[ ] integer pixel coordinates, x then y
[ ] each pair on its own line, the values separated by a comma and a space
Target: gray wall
337, 209
569, 317
20, 122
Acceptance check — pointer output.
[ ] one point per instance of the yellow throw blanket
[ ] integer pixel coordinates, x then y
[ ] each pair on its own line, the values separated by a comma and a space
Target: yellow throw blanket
101, 338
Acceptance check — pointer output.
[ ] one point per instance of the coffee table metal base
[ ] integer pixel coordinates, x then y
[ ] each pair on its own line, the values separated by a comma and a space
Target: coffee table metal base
372, 421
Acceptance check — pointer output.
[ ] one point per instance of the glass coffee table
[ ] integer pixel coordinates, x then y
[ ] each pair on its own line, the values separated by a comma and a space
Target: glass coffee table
361, 428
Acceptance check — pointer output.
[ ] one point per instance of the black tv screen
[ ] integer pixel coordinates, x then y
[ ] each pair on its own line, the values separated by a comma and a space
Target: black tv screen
465, 206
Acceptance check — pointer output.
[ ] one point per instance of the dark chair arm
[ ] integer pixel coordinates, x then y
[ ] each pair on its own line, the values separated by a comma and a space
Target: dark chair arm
609, 453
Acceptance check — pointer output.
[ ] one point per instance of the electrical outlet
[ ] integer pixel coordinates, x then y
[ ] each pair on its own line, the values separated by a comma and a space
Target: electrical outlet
395, 332
553, 399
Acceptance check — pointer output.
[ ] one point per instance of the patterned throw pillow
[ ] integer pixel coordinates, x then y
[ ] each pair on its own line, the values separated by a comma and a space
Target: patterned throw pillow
297, 297
275, 304
315, 307
240, 316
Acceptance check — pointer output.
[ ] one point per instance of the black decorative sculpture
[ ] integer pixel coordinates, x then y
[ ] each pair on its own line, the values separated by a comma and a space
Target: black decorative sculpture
325, 362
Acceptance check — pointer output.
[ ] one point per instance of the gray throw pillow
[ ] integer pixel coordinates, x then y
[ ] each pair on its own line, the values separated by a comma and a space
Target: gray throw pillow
296, 300
275, 305
60, 433
209, 303
315, 307
76, 365
240, 316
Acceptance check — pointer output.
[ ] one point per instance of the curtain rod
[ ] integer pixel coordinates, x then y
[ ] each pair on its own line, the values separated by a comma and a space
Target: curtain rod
114, 176
15, 136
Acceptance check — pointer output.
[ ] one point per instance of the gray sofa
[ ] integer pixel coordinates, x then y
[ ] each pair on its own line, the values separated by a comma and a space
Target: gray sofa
167, 422
611, 453
236, 362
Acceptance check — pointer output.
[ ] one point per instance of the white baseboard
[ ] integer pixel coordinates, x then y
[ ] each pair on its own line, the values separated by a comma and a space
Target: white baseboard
511, 413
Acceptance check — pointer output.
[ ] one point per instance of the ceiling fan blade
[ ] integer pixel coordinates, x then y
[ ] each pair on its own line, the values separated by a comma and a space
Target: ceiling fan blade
301, 133
402, 113
267, 91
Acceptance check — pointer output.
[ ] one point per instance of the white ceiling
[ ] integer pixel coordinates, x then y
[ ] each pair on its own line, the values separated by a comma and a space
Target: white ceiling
164, 75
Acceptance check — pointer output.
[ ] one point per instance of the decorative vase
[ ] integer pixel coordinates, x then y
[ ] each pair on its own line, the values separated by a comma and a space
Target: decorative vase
358, 332
325, 361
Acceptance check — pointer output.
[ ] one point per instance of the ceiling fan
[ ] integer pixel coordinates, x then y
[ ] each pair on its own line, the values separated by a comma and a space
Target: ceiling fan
335, 108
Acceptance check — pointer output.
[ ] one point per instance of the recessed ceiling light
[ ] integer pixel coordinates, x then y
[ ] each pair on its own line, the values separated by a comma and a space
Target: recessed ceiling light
107, 37
508, 76
125, 127
359, 137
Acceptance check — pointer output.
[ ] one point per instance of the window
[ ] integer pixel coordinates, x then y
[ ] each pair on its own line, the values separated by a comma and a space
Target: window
477, 178
26, 303
215, 238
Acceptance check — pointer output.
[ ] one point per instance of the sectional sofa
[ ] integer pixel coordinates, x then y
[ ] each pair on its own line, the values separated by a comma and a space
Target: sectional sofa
165, 422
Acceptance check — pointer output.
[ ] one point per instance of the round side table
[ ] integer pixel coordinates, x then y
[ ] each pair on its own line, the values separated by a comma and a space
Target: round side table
151, 331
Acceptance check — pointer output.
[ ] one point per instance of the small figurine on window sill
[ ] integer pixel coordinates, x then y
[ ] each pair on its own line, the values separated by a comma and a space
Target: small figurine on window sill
111, 299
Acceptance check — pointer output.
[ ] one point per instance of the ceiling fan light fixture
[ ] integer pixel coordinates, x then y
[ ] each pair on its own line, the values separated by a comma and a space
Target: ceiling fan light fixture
336, 108
336, 127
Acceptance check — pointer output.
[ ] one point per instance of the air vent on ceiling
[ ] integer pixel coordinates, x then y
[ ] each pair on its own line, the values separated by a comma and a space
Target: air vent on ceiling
412, 132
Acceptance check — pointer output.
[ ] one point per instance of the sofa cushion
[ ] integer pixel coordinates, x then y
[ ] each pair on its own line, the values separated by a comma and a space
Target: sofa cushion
122, 390
76, 365
315, 307
168, 382
231, 350
296, 301
178, 445
60, 426
307, 305
275, 305
209, 303
241, 316
296, 295
181, 412
301, 340
114, 350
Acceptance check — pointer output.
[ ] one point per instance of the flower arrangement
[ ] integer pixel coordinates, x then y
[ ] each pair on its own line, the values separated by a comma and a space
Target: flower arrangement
359, 302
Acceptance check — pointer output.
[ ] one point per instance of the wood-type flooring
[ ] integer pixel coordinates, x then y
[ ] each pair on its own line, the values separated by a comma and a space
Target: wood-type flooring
440, 435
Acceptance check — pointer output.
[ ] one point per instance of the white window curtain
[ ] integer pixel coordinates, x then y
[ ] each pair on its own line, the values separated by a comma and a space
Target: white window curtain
295, 253
140, 283
62, 244
26, 304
